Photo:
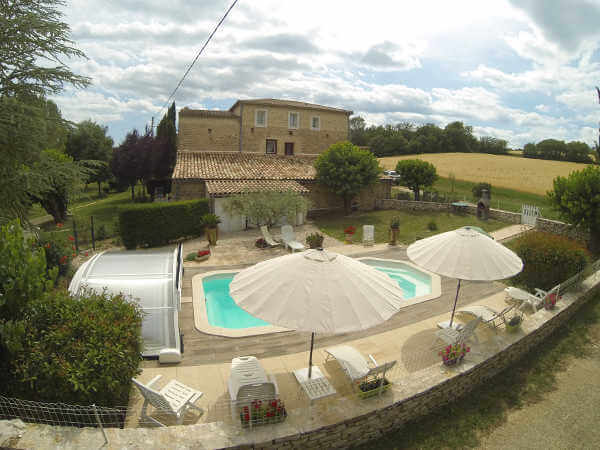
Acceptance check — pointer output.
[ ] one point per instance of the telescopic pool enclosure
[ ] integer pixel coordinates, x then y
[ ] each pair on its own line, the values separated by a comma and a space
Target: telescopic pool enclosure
150, 277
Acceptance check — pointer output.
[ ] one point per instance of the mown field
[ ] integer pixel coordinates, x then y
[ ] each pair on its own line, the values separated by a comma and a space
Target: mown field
523, 174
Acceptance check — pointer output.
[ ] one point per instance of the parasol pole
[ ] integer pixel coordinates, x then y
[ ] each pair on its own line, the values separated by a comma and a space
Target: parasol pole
312, 341
453, 308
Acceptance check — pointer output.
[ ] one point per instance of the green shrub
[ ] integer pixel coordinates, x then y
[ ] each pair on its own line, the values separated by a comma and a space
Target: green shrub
59, 249
191, 256
155, 224
548, 259
101, 232
76, 350
432, 226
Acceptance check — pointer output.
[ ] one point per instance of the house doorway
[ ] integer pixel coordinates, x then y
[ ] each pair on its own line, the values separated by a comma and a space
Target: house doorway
289, 148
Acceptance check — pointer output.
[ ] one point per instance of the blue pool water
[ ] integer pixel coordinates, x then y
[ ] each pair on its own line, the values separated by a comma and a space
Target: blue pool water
223, 312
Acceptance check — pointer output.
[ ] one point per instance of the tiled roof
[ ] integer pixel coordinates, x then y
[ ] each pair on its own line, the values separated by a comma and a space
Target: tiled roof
216, 188
206, 113
289, 103
242, 166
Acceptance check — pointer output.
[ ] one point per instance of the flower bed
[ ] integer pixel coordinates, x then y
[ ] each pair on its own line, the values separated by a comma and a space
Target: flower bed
261, 413
371, 388
454, 354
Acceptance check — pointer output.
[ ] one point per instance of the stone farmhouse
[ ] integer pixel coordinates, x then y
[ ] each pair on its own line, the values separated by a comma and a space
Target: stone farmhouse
258, 145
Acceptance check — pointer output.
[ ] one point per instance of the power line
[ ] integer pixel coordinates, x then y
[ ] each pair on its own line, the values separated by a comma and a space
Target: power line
197, 56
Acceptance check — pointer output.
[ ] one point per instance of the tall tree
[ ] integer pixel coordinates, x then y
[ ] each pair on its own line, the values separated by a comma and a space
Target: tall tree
459, 138
577, 199
416, 174
33, 43
127, 162
89, 144
167, 133
357, 131
346, 170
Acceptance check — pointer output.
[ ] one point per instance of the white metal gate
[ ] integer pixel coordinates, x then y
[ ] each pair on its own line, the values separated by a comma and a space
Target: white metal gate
529, 214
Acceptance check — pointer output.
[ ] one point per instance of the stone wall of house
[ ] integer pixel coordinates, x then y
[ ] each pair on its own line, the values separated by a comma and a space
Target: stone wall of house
323, 200
411, 205
208, 134
188, 189
333, 128
434, 390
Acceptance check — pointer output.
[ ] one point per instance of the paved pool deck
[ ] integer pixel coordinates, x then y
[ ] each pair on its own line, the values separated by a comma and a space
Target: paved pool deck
407, 337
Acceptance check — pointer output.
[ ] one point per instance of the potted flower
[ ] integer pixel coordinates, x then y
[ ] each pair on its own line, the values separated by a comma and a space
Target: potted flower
513, 324
202, 255
349, 232
210, 222
550, 301
394, 230
453, 354
371, 388
315, 240
262, 412
261, 243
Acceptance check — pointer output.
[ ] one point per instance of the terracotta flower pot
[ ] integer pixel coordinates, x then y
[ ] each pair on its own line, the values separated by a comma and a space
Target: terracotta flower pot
349, 238
212, 235
453, 361
394, 236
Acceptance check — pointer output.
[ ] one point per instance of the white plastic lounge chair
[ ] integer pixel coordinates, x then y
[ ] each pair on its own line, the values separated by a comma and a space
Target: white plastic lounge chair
355, 365
175, 399
268, 238
488, 315
368, 235
289, 238
450, 336
534, 300
248, 381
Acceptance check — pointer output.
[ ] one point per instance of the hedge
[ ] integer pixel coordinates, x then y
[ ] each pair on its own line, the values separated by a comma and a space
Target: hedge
156, 224
548, 259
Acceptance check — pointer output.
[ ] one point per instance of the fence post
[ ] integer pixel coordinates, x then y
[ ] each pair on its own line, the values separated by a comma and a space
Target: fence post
100, 424
93, 240
75, 236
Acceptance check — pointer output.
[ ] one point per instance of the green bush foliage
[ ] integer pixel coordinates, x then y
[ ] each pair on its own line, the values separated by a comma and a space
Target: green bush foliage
23, 275
548, 259
160, 223
416, 174
76, 350
432, 226
59, 249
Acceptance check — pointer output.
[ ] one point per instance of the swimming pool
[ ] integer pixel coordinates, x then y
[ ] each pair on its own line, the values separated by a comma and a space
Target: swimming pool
215, 312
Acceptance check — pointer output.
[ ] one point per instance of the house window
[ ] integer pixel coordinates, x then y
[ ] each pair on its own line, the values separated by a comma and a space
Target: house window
271, 146
315, 123
289, 148
293, 120
260, 118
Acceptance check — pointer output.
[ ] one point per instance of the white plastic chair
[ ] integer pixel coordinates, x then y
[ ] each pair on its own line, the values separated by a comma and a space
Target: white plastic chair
487, 315
368, 235
174, 399
534, 300
289, 238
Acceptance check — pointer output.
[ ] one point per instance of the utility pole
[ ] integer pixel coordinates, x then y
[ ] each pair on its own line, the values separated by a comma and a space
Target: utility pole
152, 127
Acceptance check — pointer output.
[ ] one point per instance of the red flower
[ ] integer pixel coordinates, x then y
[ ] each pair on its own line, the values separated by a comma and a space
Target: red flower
74, 255
71, 238
274, 403
350, 230
62, 259
87, 254
246, 417
47, 245
60, 225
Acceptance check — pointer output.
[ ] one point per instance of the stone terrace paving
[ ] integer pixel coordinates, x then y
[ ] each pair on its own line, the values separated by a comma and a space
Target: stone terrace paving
407, 337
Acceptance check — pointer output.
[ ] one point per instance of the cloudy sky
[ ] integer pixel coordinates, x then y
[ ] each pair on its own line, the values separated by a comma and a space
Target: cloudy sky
521, 70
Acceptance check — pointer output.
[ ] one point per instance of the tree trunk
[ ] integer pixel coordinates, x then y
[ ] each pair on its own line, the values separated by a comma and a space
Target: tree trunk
347, 205
99, 191
594, 243
417, 192
132, 193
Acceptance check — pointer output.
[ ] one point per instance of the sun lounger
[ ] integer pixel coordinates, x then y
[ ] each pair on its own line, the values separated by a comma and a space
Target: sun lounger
368, 235
450, 336
487, 315
271, 242
289, 238
355, 366
174, 399
534, 300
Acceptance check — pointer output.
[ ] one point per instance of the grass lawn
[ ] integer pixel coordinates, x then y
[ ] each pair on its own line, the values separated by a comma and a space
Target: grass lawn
462, 423
104, 211
412, 224
502, 198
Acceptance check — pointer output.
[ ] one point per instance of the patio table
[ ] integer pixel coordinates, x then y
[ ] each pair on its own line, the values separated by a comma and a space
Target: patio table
315, 387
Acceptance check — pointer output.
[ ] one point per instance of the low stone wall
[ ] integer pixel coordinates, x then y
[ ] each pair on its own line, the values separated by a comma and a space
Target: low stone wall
562, 228
411, 205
